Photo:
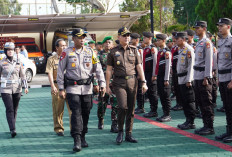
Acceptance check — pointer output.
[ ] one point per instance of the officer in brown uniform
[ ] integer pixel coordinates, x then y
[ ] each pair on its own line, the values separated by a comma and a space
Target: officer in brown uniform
57, 101
80, 63
125, 59
12, 76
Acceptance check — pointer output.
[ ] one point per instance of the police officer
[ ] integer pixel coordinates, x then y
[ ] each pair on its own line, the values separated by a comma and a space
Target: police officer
225, 73
191, 34
80, 63
185, 64
135, 39
125, 60
149, 62
57, 101
170, 43
203, 78
12, 76
175, 85
162, 72
107, 44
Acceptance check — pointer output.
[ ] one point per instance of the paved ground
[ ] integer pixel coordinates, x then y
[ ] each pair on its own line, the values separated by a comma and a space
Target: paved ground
36, 137
40, 79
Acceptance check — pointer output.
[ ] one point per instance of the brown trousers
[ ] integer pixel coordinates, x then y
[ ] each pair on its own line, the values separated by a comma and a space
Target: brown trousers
126, 98
58, 112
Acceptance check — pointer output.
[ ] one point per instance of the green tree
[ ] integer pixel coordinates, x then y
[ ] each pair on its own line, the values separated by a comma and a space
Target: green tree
163, 14
184, 11
10, 7
212, 10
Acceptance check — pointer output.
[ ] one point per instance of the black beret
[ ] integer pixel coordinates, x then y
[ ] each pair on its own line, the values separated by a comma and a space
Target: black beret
200, 24
78, 32
226, 21
148, 34
190, 32
181, 34
123, 31
161, 36
135, 36
174, 33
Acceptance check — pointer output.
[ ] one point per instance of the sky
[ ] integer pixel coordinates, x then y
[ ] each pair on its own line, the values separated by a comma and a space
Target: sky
28, 7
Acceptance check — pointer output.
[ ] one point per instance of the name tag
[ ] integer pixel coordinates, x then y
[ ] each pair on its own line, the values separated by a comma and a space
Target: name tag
87, 60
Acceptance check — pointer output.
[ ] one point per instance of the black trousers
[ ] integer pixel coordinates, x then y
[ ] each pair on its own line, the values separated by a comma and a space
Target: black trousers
188, 102
203, 96
152, 92
11, 102
226, 95
80, 106
164, 93
176, 88
214, 91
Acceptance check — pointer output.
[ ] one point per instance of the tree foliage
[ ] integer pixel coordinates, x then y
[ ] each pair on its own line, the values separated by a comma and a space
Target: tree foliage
161, 7
212, 10
184, 11
8, 7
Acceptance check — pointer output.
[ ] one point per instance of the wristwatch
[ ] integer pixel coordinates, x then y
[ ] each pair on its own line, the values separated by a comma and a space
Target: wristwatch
144, 81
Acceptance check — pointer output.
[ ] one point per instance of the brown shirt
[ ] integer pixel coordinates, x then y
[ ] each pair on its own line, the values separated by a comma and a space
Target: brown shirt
52, 66
124, 61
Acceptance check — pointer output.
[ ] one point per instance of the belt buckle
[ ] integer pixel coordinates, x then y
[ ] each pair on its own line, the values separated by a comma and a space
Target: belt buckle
127, 77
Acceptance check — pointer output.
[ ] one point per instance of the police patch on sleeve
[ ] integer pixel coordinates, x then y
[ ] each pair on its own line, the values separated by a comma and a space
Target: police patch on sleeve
167, 55
152, 50
95, 59
138, 53
63, 55
189, 54
207, 44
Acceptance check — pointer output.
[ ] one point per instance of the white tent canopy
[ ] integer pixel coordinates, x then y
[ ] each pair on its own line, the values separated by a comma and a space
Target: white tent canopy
50, 23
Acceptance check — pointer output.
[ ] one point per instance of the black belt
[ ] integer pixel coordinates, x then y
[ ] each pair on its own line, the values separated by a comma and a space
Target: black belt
182, 74
199, 68
55, 81
125, 77
225, 71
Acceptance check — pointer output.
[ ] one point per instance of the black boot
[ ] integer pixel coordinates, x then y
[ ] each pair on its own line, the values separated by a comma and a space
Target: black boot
83, 141
77, 144
150, 114
114, 126
164, 118
100, 123
177, 108
205, 131
129, 138
221, 137
119, 138
228, 138
139, 110
13, 133
187, 125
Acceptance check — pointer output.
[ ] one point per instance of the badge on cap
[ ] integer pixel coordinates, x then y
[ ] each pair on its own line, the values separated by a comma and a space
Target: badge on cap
118, 62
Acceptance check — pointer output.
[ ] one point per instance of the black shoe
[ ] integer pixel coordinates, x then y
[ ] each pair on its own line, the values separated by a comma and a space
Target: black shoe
205, 131
119, 138
131, 139
100, 124
177, 108
60, 134
221, 137
150, 114
227, 139
83, 142
222, 109
77, 144
13, 133
114, 127
139, 110
186, 126
164, 118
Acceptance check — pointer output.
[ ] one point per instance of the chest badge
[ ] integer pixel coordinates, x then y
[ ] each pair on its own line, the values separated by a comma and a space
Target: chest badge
73, 65
118, 62
227, 55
